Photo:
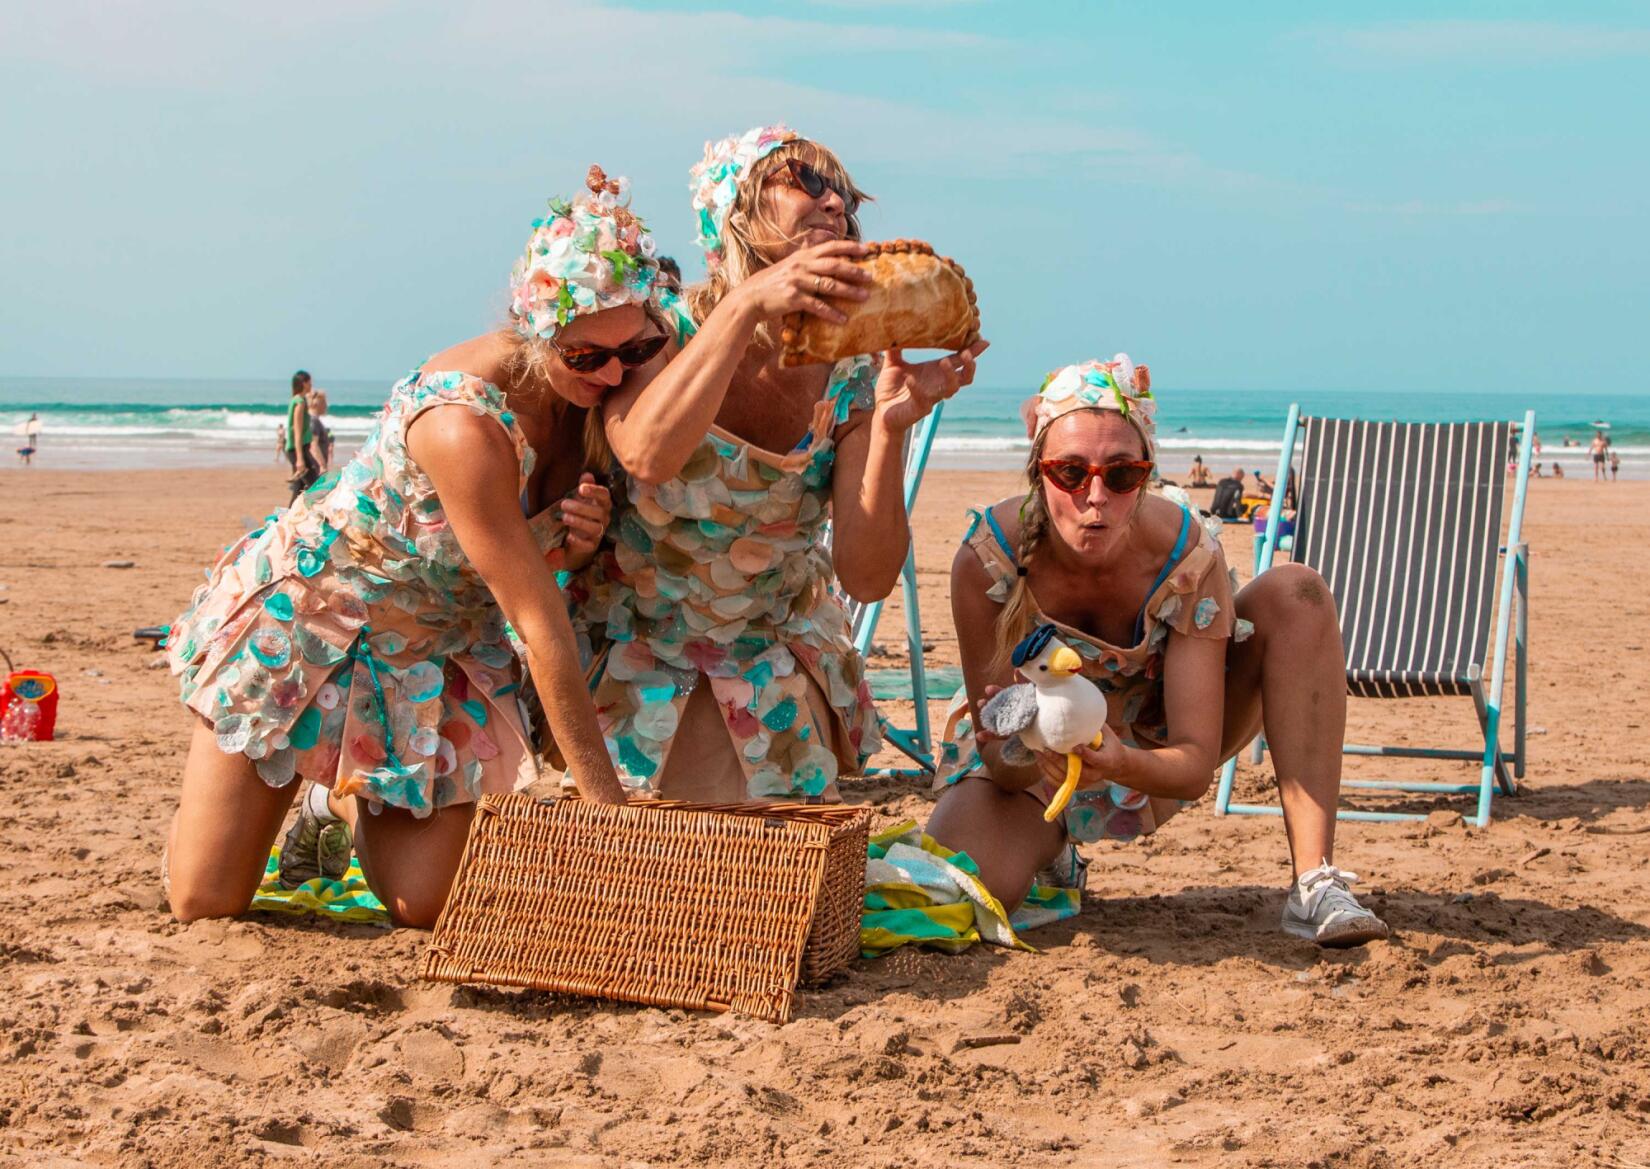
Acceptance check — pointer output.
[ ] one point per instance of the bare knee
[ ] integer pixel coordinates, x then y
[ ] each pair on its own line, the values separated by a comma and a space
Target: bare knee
192, 900
1289, 596
415, 909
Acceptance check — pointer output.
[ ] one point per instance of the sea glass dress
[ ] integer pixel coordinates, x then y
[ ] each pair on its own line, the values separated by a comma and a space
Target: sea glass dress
349, 641
1192, 596
722, 577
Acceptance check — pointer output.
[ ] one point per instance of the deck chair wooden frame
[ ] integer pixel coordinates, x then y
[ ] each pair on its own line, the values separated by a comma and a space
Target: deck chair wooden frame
1402, 518
916, 743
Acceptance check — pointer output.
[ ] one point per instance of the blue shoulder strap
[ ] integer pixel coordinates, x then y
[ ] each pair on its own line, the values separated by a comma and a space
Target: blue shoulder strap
1163, 573
997, 531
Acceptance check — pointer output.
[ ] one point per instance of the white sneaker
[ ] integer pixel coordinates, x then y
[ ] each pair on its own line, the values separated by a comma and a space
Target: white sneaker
1322, 909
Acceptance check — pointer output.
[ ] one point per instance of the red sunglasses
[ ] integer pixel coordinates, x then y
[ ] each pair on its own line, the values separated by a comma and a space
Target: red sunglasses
1073, 476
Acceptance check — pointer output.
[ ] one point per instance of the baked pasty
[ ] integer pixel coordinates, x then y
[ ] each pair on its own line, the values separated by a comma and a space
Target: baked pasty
918, 301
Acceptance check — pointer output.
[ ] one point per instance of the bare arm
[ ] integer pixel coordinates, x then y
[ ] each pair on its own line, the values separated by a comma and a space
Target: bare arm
871, 530
975, 616
653, 433
472, 465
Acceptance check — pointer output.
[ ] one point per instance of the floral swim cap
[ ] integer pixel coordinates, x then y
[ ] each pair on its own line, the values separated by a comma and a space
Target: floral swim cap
715, 181
1118, 384
589, 254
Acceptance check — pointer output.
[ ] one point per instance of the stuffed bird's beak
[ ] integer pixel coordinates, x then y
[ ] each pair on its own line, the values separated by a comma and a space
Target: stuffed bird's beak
1065, 662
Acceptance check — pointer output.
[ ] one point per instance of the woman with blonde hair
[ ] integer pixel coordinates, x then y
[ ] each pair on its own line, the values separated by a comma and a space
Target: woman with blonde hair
730, 673
358, 640
1135, 585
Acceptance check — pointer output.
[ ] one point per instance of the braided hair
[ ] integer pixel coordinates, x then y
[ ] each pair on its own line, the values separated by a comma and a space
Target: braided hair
1019, 611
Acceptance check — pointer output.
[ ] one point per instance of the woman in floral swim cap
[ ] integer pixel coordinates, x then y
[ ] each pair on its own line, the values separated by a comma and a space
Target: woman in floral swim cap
358, 639
1140, 590
730, 673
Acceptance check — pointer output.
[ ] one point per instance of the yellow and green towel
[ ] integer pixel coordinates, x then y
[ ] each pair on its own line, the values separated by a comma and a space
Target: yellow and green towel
918, 892
346, 900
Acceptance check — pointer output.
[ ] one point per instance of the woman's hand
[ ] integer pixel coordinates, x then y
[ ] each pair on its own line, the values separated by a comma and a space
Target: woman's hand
1101, 764
804, 282
907, 391
586, 512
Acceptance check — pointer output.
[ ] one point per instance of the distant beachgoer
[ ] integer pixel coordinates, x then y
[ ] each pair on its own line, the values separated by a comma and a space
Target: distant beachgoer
1558, 471
298, 438
321, 443
1600, 450
1615, 465
359, 641
1535, 471
1199, 475
30, 431
280, 441
1228, 501
1262, 486
670, 274
1191, 667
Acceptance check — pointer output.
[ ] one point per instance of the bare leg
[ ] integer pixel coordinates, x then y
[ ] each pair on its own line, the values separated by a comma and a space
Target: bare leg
1292, 674
1004, 832
220, 838
408, 862
700, 764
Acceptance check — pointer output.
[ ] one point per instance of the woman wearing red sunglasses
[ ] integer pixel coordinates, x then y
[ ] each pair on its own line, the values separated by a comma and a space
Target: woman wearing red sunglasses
1133, 582
731, 673
358, 640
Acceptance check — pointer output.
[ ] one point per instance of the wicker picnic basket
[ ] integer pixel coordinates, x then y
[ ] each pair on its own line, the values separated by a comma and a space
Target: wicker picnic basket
706, 906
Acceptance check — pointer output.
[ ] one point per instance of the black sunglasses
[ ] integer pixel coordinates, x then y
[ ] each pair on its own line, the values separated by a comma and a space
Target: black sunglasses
1073, 476
814, 184
590, 358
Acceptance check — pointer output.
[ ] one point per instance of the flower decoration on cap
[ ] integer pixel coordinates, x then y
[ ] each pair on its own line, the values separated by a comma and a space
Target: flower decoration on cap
590, 253
715, 181
1118, 384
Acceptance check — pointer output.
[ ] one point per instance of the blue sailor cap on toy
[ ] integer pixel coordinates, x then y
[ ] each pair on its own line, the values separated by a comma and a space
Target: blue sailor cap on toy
1033, 644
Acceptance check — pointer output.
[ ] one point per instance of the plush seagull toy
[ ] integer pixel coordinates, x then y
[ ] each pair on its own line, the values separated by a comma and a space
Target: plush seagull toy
1057, 710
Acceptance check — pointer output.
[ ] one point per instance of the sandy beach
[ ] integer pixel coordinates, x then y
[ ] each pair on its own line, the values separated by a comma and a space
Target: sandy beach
1507, 1022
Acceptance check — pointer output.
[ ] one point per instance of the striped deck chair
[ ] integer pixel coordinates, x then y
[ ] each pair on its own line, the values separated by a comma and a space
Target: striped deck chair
916, 742
1404, 522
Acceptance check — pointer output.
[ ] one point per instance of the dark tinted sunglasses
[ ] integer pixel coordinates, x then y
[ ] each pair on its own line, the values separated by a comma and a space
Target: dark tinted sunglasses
1074, 476
590, 358
814, 184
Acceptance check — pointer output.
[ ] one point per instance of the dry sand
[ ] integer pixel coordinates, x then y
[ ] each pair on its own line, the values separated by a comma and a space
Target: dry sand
1503, 1025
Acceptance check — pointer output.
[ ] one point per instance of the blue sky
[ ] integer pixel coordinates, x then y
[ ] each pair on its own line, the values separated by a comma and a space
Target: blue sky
1261, 195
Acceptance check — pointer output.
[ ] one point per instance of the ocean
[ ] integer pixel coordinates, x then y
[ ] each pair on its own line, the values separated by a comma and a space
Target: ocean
119, 423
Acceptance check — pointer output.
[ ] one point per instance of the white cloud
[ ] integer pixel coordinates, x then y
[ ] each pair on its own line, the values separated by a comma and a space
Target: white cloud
1488, 41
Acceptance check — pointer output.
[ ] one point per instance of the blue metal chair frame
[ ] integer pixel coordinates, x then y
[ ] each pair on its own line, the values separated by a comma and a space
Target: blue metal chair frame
1515, 577
916, 742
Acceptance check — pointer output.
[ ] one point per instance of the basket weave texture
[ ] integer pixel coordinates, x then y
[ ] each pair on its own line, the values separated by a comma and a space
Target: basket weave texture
705, 906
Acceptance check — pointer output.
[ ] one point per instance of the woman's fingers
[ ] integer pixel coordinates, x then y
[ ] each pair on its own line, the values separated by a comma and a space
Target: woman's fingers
831, 286
821, 309
839, 269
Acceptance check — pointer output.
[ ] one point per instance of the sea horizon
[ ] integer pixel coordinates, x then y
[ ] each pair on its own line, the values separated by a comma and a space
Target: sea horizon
132, 423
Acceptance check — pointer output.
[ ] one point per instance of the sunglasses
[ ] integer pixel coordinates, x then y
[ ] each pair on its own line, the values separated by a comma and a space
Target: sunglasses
590, 358
1074, 476
814, 184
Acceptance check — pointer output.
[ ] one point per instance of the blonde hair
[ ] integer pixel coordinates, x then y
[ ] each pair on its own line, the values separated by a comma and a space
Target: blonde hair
749, 225
1019, 611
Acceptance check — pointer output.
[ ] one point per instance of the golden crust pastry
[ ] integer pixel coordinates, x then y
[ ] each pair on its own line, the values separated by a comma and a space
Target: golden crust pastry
918, 301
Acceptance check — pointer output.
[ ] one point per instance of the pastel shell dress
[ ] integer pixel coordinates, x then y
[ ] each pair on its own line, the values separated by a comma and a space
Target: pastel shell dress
722, 576
349, 641
1192, 596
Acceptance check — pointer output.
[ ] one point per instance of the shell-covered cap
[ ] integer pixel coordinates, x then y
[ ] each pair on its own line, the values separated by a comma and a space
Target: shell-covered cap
590, 253
1118, 384
716, 179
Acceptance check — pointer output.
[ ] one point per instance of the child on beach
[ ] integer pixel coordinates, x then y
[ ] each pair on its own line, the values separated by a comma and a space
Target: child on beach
731, 673
358, 639
299, 434
1141, 591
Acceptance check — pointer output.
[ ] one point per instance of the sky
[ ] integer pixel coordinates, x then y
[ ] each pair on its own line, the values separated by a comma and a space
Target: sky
1266, 195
